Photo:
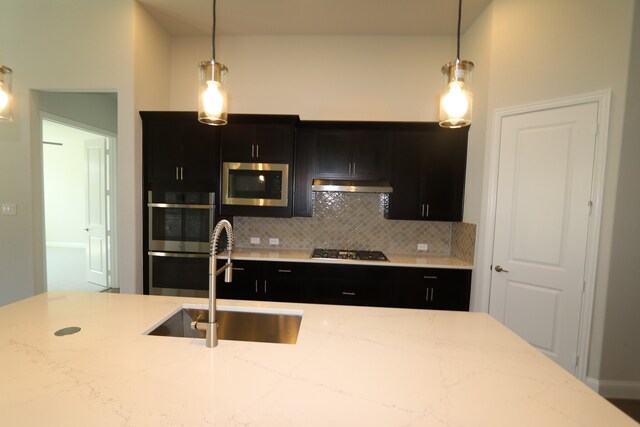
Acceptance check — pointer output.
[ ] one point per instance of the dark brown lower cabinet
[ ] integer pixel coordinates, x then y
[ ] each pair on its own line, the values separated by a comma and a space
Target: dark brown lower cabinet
432, 288
363, 285
263, 281
348, 285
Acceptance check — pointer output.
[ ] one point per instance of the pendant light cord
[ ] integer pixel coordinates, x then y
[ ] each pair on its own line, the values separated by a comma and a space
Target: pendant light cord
459, 20
213, 32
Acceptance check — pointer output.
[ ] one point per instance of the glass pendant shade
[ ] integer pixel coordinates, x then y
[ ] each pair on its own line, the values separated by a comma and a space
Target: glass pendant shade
456, 102
6, 97
212, 96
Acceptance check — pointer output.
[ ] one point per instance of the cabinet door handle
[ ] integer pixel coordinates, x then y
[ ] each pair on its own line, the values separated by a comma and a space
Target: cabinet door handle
257, 150
177, 174
427, 210
181, 173
284, 271
256, 286
253, 150
354, 168
349, 168
430, 277
265, 286
238, 268
348, 293
429, 295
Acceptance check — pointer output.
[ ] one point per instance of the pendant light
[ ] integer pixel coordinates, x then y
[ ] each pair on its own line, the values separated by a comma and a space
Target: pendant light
212, 97
5, 94
456, 100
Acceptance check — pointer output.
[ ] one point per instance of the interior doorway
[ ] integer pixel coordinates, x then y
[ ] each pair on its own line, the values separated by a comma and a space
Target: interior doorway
547, 180
78, 165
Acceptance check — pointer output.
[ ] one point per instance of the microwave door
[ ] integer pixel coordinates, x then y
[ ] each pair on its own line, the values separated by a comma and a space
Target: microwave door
255, 184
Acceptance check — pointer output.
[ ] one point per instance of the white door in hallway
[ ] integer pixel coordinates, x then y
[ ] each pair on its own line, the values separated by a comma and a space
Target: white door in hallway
542, 223
97, 262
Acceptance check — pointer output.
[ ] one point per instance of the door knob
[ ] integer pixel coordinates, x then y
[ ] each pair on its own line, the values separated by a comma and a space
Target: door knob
499, 269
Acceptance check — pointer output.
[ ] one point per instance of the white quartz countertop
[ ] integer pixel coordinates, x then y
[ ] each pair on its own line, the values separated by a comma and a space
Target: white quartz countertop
351, 366
395, 260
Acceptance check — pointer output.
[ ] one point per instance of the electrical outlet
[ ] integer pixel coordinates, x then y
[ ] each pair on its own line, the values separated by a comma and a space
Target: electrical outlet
255, 240
423, 246
274, 241
9, 209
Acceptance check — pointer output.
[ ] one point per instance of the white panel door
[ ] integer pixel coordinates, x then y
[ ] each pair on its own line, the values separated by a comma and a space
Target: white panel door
97, 262
542, 219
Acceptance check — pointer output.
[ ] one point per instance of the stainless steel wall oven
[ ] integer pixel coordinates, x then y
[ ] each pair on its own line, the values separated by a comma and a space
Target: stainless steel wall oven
180, 226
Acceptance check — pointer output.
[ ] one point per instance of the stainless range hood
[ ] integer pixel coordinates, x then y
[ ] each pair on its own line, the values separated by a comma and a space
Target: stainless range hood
351, 186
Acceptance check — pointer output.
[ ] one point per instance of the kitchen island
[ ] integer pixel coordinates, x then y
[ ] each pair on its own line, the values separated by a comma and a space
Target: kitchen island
351, 366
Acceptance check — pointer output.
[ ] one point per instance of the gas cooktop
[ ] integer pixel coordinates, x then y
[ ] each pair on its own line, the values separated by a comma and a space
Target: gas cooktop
349, 254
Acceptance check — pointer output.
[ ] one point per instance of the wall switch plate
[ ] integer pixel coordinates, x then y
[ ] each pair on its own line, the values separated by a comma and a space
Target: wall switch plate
255, 240
274, 241
423, 246
9, 209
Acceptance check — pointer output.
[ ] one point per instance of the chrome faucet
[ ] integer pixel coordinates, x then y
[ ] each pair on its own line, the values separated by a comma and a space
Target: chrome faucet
212, 325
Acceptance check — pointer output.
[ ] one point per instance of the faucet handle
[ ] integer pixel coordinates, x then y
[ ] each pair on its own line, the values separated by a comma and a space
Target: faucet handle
228, 272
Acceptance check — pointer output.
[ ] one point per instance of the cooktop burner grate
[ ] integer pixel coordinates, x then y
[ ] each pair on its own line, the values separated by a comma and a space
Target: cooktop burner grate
348, 254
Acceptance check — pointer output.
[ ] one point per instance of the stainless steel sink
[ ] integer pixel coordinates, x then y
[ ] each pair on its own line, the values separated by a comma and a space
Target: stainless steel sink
236, 324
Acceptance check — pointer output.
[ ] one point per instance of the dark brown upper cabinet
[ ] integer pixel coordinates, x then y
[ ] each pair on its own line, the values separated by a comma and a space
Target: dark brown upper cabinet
428, 173
179, 152
346, 152
304, 165
258, 138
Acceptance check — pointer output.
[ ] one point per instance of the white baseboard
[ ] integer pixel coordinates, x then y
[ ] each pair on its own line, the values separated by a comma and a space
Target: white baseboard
66, 245
615, 389
592, 383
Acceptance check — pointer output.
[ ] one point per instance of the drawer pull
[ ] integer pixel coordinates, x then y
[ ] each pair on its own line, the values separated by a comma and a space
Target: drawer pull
238, 268
284, 271
347, 293
430, 277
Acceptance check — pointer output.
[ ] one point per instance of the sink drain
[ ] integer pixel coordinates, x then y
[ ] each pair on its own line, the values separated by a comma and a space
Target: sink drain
67, 331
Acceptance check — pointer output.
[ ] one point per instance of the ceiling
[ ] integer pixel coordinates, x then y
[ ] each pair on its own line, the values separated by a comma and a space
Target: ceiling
63, 134
314, 17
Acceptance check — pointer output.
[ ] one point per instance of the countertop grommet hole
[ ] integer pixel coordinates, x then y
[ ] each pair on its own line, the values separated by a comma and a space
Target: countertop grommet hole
67, 331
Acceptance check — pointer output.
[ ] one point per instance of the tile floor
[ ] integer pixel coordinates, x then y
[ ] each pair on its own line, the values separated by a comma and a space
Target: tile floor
66, 270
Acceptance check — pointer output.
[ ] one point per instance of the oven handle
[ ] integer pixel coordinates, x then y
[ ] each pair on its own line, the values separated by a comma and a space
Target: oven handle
177, 254
179, 206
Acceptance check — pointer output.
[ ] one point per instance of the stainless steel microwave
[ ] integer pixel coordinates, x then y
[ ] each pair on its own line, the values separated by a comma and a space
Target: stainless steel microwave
255, 184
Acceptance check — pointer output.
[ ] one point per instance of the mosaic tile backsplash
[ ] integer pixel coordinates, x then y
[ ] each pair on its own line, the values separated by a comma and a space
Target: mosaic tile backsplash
356, 221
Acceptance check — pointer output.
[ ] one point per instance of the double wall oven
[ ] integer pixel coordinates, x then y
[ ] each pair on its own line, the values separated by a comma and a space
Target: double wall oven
180, 226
